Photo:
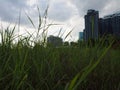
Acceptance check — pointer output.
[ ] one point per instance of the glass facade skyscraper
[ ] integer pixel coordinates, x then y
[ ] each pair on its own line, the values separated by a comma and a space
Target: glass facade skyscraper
91, 25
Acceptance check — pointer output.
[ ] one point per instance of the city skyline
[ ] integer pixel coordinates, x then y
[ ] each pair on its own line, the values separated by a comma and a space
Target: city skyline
96, 27
68, 13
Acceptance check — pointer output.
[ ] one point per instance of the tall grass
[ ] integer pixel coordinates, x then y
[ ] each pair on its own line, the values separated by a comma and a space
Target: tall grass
27, 67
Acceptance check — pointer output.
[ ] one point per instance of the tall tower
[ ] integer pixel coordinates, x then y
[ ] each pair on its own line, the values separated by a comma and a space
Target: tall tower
91, 25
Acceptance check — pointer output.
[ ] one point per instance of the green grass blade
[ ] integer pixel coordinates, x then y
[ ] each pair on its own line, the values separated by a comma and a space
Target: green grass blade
73, 82
68, 34
31, 21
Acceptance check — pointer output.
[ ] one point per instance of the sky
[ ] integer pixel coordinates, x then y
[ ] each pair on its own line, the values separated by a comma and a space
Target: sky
65, 14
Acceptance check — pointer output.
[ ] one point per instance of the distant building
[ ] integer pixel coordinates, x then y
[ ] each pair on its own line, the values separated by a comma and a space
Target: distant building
116, 24
111, 25
54, 41
91, 25
107, 22
101, 27
80, 35
96, 27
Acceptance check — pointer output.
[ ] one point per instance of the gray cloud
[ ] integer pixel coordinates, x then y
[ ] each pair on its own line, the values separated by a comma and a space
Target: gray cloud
10, 9
60, 11
100, 5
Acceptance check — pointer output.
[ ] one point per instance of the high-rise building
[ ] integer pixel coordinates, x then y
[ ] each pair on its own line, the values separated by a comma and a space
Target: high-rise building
80, 35
101, 27
91, 25
116, 24
107, 22
110, 25
96, 27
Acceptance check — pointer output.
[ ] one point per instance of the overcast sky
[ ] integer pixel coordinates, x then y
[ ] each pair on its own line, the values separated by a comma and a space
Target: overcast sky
68, 13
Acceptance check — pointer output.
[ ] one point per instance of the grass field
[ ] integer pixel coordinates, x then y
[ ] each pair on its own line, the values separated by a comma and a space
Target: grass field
27, 63
26, 67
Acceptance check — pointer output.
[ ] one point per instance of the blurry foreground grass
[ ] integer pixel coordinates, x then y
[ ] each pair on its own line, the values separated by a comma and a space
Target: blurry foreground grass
23, 67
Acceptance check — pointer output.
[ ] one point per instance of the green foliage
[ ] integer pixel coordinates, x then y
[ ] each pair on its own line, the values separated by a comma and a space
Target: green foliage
26, 67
